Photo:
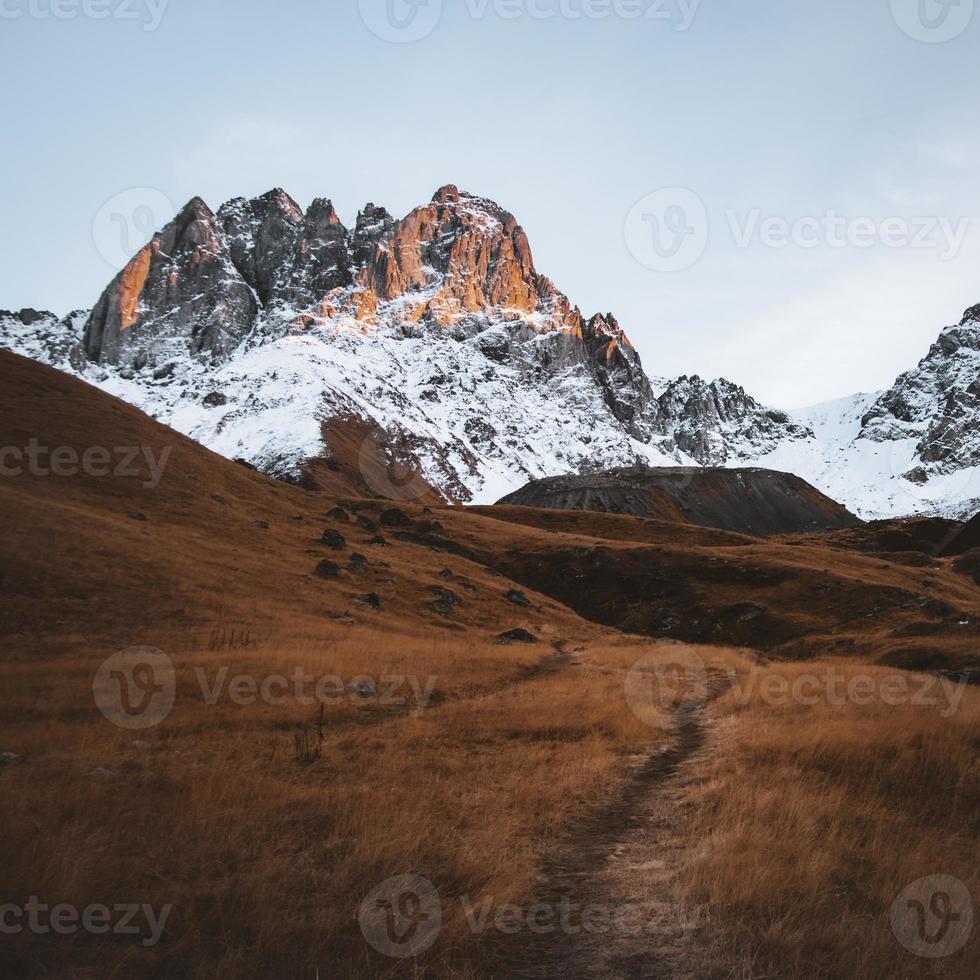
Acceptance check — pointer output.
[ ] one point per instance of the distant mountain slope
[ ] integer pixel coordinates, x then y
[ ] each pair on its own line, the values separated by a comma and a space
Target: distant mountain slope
747, 501
912, 449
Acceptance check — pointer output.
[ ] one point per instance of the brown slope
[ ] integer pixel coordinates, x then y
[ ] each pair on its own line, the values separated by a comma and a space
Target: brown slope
788, 598
116, 559
77, 563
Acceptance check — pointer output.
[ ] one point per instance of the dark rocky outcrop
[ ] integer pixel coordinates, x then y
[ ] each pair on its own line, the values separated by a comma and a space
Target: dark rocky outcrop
332, 538
749, 501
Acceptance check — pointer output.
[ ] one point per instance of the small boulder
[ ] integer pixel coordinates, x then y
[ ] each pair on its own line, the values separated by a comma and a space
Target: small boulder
262, 524
332, 538
8, 758
137, 515
517, 598
446, 600
516, 636
446, 573
371, 599
328, 569
218, 499
378, 541
393, 517
214, 400
446, 595
357, 561
338, 514
366, 524
429, 527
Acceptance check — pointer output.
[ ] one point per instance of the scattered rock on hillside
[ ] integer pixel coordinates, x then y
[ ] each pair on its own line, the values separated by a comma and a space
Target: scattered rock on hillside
446, 600
328, 569
517, 598
357, 561
332, 538
262, 524
378, 541
429, 527
366, 524
8, 758
393, 517
516, 636
338, 514
137, 515
215, 400
218, 499
371, 599
446, 573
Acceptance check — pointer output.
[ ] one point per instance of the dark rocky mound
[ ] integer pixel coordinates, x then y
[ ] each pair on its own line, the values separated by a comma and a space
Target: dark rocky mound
750, 501
967, 538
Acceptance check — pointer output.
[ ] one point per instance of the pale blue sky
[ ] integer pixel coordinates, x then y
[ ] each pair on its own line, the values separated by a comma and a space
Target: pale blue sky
785, 109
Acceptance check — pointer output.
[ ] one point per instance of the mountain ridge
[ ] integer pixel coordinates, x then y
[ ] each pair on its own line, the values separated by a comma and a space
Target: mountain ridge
256, 327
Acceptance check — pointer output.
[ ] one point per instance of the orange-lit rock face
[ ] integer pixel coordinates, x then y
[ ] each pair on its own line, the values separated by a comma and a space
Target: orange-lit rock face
131, 284
479, 252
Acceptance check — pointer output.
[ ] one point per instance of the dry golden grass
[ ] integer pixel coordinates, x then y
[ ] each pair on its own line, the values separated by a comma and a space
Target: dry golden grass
265, 860
812, 819
810, 822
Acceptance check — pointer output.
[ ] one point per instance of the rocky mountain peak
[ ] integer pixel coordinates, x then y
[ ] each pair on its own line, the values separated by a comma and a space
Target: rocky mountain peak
435, 328
446, 195
972, 315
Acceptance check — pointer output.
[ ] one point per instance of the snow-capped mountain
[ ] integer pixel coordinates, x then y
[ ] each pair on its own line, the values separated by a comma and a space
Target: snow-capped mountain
260, 329
913, 449
257, 328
